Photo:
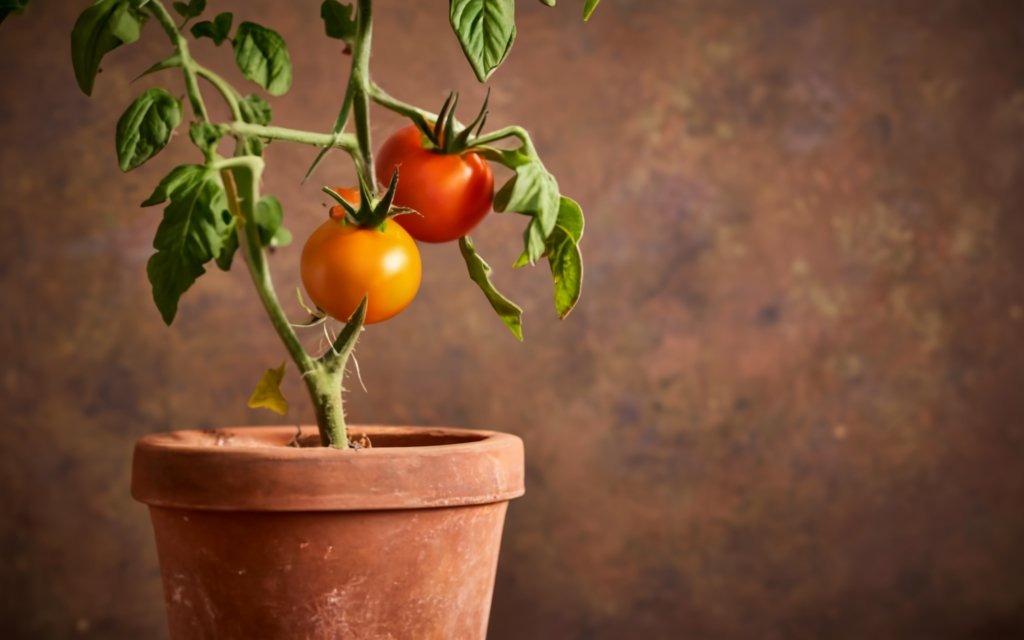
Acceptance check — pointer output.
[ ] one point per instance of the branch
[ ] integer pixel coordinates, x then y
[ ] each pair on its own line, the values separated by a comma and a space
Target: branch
188, 65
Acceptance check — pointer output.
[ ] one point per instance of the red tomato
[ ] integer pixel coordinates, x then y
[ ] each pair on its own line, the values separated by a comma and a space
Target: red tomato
452, 192
341, 263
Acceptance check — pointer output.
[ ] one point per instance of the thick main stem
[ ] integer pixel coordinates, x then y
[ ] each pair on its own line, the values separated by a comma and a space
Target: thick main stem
322, 376
360, 79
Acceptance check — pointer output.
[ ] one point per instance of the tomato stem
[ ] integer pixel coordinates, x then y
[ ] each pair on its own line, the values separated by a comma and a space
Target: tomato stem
359, 80
188, 65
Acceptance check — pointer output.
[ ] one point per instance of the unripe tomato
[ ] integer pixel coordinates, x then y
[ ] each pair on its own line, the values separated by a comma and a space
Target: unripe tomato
451, 192
341, 263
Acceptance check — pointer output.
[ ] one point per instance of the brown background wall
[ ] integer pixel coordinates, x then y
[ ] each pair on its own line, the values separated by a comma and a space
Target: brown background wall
789, 406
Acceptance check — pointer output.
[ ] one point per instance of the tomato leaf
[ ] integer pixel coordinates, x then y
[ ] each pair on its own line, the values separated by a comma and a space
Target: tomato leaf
480, 273
227, 252
267, 394
255, 110
217, 30
190, 9
269, 214
100, 29
263, 57
11, 6
193, 231
145, 127
588, 9
486, 30
338, 22
566, 270
205, 136
570, 218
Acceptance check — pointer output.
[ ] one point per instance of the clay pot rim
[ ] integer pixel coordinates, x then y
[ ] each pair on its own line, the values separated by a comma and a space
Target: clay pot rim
253, 468
259, 441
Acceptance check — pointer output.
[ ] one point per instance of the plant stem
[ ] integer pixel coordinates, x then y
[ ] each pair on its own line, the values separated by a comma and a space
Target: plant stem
343, 141
222, 87
386, 100
188, 65
360, 84
506, 132
241, 174
322, 377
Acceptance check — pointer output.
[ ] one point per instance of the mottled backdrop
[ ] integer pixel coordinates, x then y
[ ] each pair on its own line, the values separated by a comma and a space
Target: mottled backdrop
789, 406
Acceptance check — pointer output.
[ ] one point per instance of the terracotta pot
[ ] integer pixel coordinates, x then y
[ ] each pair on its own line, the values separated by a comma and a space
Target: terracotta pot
261, 540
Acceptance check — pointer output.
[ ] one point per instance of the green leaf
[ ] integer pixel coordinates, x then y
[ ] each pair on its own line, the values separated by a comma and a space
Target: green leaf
549, 3
145, 127
255, 110
217, 30
190, 10
338, 22
178, 177
532, 191
205, 136
227, 252
566, 270
11, 6
480, 273
486, 30
570, 218
100, 29
570, 222
267, 394
263, 57
126, 24
588, 9
268, 214
193, 231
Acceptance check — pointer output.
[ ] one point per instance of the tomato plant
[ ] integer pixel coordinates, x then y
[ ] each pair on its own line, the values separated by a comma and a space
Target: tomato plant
342, 263
360, 266
451, 191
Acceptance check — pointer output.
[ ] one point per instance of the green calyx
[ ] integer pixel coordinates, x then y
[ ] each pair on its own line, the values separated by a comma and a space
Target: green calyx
371, 214
446, 135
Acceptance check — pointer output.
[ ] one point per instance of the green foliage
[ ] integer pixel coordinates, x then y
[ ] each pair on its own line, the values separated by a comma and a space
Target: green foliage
262, 56
486, 30
269, 215
254, 110
217, 30
480, 273
99, 30
11, 6
191, 9
338, 22
588, 9
193, 232
146, 127
205, 136
532, 191
564, 256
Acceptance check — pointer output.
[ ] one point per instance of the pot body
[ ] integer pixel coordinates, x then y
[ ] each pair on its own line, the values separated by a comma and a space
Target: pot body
295, 548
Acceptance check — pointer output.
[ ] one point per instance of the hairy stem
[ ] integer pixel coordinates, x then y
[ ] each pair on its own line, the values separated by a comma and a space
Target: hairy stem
391, 103
344, 141
221, 85
360, 85
322, 377
506, 132
188, 65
